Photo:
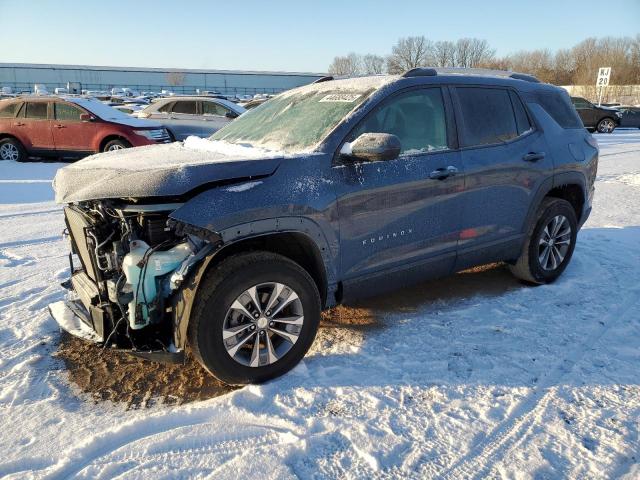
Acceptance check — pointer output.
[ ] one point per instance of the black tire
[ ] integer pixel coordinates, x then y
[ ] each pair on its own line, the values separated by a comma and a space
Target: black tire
221, 286
12, 149
172, 137
606, 125
528, 266
116, 144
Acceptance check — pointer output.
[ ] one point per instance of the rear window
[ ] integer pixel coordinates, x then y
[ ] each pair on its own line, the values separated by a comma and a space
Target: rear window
560, 109
488, 116
36, 110
9, 110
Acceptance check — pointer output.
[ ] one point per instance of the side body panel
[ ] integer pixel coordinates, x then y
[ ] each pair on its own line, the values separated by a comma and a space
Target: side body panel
298, 198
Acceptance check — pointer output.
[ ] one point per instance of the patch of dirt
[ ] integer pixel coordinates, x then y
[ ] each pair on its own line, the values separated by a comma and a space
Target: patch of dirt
139, 383
123, 378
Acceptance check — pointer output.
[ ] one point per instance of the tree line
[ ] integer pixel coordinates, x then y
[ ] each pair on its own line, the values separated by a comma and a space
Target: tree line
572, 66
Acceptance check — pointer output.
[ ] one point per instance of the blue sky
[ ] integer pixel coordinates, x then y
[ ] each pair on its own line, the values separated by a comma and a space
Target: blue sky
286, 35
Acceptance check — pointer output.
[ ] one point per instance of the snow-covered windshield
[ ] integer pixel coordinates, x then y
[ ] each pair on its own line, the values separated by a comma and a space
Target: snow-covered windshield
295, 121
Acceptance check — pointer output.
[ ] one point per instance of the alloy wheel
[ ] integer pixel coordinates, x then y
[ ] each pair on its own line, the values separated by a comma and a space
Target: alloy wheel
262, 324
115, 147
606, 126
9, 151
554, 243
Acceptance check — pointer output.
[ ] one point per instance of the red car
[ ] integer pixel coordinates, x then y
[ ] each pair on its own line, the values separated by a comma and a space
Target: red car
69, 127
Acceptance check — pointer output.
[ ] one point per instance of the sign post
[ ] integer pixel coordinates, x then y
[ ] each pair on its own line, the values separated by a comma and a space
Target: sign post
603, 81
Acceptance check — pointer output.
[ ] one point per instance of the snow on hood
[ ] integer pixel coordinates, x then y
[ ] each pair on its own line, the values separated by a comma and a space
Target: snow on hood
161, 170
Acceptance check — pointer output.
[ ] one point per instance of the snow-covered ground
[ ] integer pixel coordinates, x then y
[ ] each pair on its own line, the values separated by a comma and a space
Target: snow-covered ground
473, 376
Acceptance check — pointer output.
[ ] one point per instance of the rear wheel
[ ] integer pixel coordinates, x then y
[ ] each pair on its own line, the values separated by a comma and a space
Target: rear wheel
116, 145
254, 318
606, 125
550, 243
12, 149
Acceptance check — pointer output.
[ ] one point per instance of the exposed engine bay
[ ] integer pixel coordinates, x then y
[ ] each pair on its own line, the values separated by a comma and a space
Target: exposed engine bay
126, 262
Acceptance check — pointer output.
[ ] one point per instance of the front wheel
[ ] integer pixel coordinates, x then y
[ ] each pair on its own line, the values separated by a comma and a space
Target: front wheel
254, 317
606, 125
550, 243
114, 145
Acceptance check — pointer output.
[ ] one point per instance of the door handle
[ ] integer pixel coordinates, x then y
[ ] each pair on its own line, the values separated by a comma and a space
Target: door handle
19, 124
442, 173
59, 126
533, 156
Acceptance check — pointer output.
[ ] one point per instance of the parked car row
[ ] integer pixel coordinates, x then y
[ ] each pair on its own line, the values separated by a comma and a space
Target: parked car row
70, 127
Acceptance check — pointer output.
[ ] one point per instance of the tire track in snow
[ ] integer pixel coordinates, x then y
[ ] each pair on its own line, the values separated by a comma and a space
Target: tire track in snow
479, 462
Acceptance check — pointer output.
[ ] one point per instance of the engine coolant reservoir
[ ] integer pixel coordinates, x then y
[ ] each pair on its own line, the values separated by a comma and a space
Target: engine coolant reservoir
145, 289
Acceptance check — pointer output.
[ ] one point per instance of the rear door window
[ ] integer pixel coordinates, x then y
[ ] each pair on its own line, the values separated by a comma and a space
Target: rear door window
488, 116
9, 110
580, 103
36, 110
187, 107
416, 117
66, 112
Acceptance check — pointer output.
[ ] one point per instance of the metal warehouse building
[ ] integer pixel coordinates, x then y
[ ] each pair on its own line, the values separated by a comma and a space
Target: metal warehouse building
22, 77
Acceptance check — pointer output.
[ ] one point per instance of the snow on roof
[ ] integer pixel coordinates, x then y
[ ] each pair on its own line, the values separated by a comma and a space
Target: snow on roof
105, 112
354, 84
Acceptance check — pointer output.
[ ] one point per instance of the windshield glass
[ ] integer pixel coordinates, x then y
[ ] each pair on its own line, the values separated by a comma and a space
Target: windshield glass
293, 122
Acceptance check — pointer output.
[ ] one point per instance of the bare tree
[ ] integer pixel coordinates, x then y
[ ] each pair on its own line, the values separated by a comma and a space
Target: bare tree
348, 65
444, 54
175, 78
372, 64
472, 52
408, 53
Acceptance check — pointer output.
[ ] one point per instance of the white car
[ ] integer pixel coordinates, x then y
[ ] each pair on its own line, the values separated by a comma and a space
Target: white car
186, 116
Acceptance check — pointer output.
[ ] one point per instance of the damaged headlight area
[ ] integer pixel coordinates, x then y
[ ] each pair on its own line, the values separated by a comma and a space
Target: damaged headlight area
126, 263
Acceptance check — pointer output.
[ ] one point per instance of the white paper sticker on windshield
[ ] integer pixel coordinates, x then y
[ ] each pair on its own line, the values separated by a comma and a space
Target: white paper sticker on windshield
340, 97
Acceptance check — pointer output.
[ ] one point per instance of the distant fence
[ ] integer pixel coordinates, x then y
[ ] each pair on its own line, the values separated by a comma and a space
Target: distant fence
19, 87
623, 94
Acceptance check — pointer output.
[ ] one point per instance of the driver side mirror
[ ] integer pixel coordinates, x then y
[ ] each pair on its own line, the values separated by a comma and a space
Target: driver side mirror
374, 147
85, 117
231, 115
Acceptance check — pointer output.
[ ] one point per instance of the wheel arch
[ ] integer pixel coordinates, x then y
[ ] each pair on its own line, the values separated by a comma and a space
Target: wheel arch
109, 138
570, 186
295, 245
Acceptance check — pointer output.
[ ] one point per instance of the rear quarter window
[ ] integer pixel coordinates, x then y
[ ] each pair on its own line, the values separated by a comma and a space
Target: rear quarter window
560, 109
8, 110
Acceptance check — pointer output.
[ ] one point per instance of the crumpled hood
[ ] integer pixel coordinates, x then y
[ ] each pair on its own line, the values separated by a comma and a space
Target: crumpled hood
160, 170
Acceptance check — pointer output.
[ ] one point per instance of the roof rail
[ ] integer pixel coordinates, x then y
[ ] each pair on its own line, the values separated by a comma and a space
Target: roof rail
420, 72
485, 72
324, 79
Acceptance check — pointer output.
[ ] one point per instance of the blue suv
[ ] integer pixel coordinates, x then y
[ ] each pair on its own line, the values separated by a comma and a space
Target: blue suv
231, 247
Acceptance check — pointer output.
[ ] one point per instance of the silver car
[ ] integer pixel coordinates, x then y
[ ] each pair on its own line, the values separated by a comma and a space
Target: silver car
185, 116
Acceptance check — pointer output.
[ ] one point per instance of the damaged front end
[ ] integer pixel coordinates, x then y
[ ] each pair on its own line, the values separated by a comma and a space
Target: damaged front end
127, 267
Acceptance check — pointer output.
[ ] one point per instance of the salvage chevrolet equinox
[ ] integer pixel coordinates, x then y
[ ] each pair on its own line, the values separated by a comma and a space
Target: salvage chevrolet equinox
230, 247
